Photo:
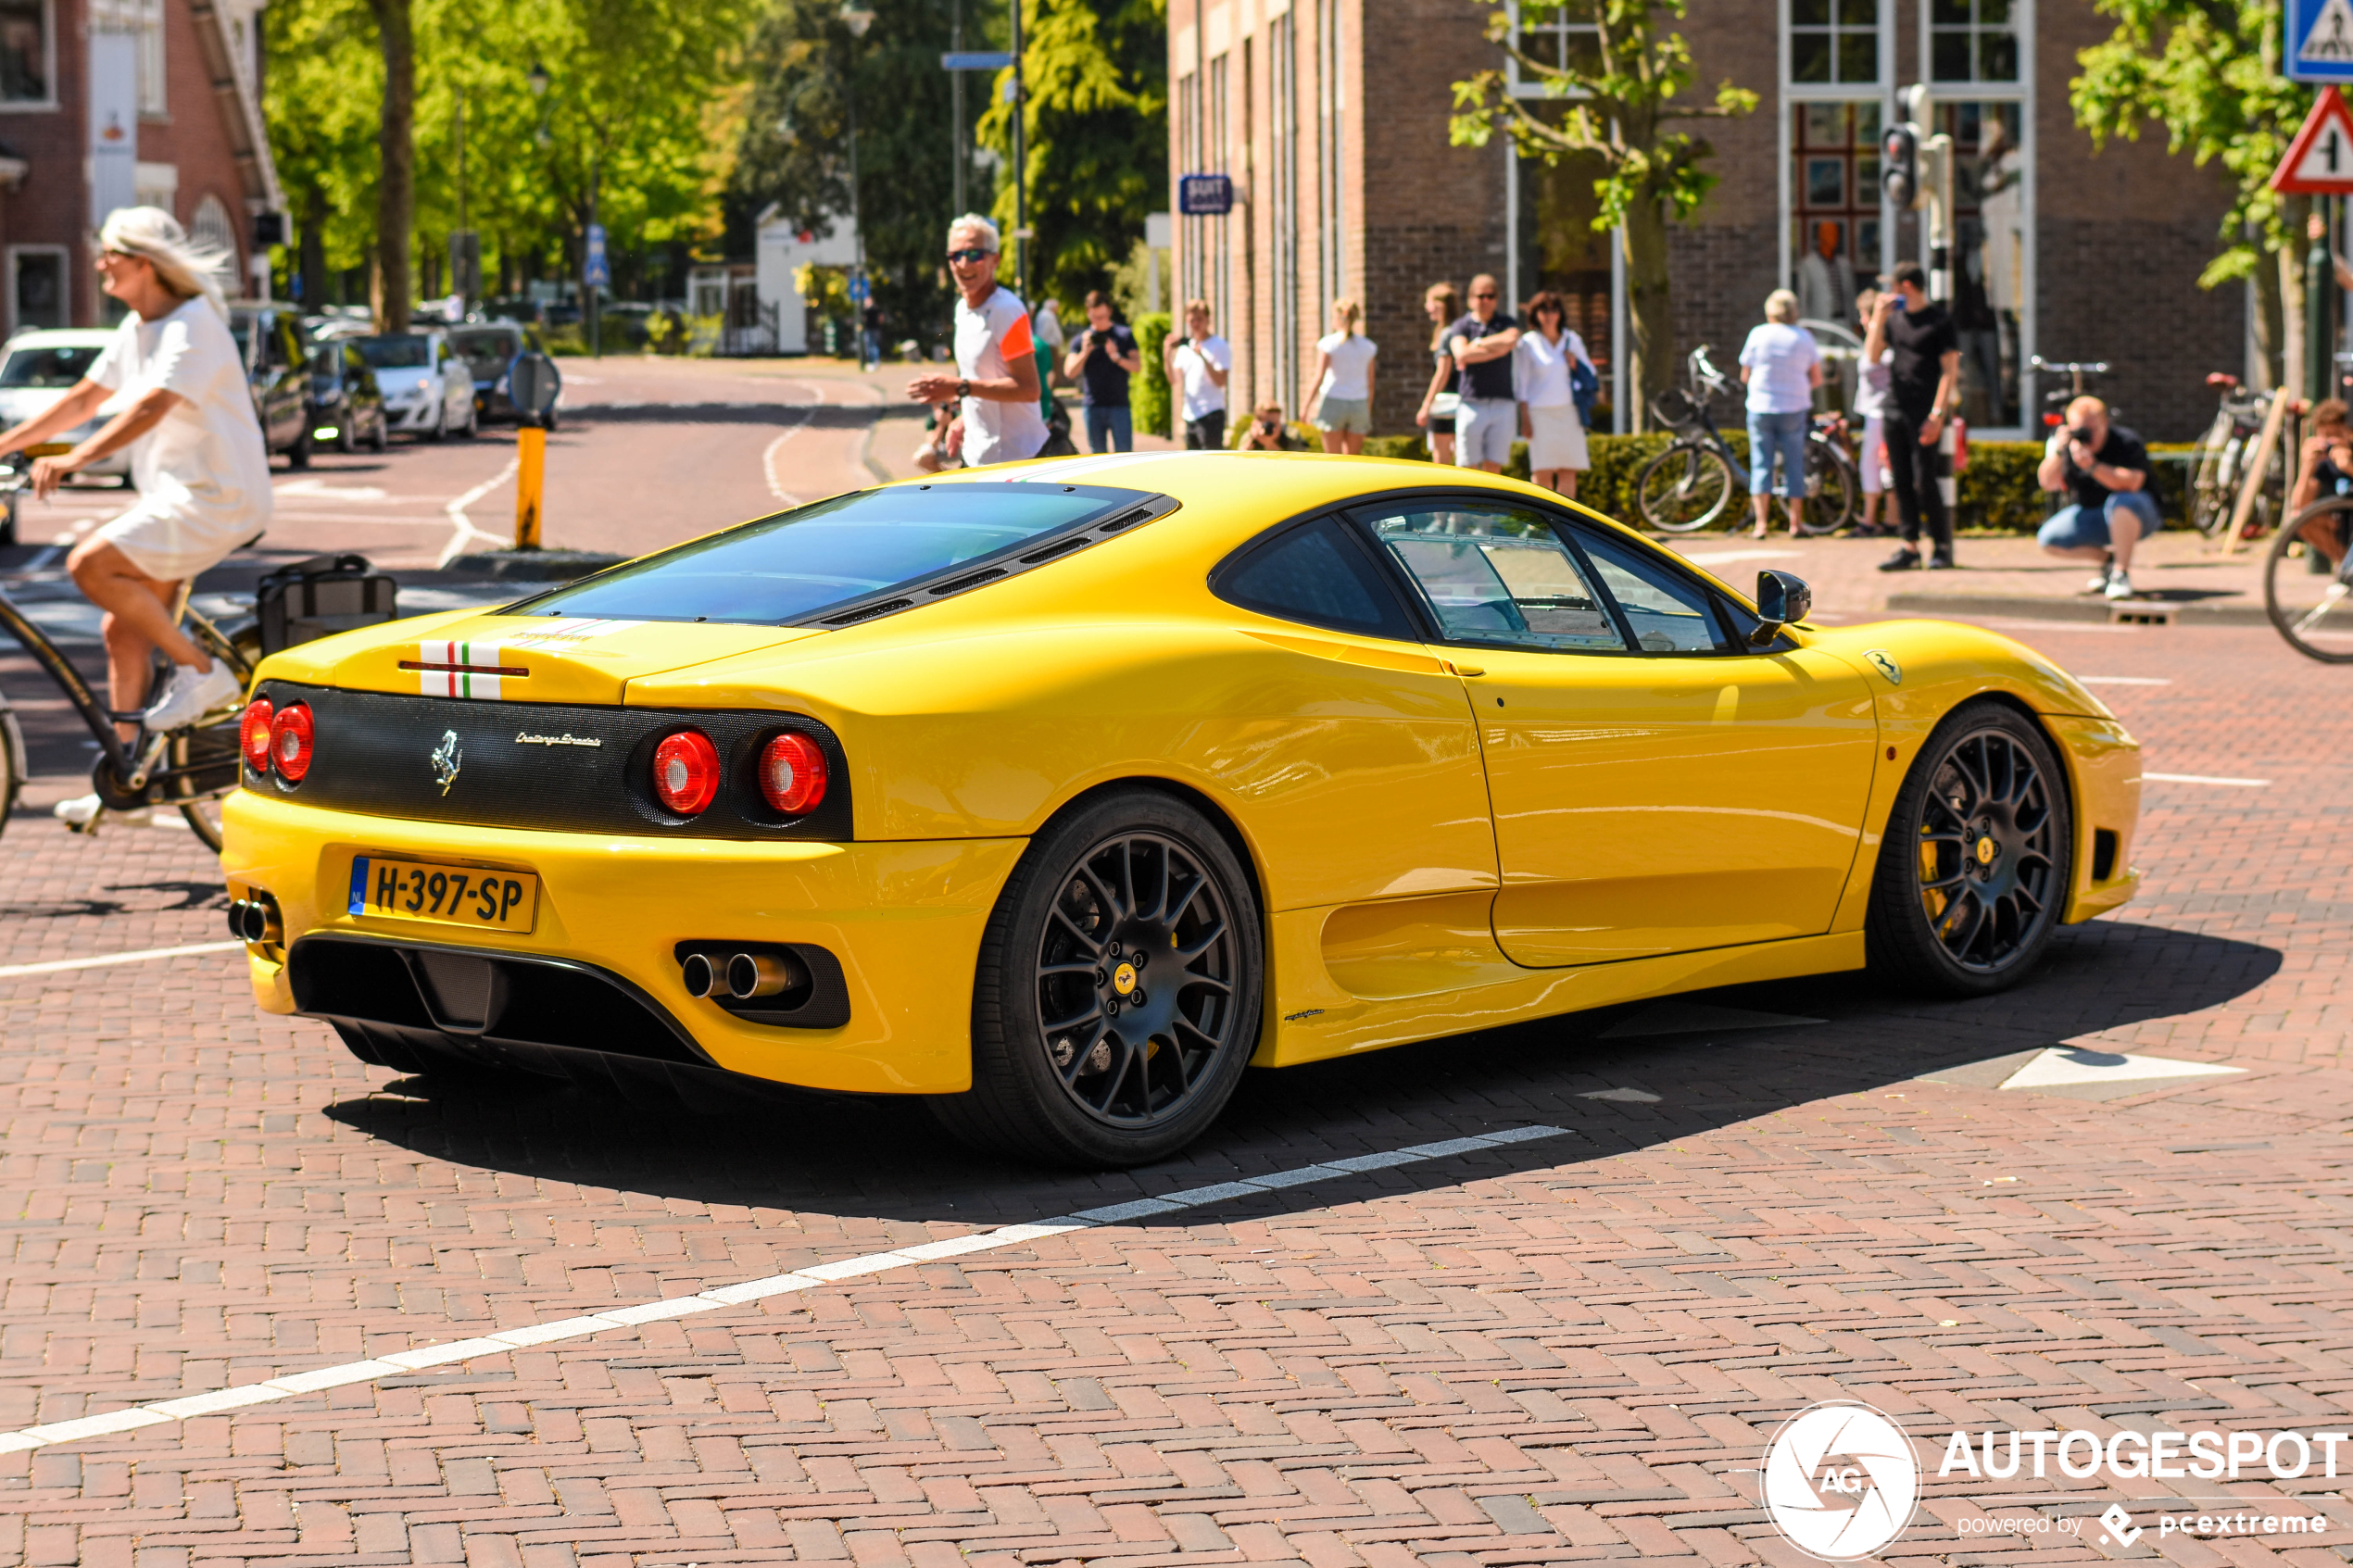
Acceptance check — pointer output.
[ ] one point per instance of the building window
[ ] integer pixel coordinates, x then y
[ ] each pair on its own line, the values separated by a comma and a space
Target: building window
1835, 205
1329, 107
38, 297
1973, 41
1557, 41
1282, 117
212, 227
1834, 41
24, 52
1993, 257
143, 21
1559, 249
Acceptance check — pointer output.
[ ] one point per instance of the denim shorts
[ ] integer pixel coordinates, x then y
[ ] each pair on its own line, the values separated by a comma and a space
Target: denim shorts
2076, 528
1784, 433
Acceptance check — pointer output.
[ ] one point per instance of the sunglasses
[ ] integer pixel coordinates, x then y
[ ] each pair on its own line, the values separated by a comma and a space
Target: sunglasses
1485, 294
970, 258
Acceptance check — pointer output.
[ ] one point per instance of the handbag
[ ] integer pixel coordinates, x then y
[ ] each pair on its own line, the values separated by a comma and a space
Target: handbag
1584, 390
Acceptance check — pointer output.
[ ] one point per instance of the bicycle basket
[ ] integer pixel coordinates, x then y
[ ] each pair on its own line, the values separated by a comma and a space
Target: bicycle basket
1677, 410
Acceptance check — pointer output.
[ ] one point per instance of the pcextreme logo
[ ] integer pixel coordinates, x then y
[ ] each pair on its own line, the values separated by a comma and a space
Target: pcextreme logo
1840, 1480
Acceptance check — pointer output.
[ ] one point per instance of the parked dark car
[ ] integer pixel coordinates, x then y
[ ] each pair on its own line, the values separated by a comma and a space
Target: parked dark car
489, 350
278, 368
346, 406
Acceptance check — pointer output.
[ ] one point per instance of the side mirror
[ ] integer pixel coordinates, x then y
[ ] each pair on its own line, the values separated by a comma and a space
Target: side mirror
1781, 599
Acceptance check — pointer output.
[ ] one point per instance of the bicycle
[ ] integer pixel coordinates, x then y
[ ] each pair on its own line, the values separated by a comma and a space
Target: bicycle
1690, 485
2307, 580
2223, 456
190, 768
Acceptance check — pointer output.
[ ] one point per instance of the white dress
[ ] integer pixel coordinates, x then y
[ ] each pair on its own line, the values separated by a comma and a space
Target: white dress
1556, 435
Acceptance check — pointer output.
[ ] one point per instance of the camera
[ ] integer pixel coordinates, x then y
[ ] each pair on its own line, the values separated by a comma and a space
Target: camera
2081, 433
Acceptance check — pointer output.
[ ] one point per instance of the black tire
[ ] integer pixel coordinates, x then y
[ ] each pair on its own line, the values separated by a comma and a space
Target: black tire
298, 455
347, 437
1974, 870
1093, 894
381, 440
1684, 489
1831, 485
2312, 609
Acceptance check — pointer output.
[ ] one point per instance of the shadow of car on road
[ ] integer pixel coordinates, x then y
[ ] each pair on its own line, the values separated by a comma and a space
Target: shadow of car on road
882, 1156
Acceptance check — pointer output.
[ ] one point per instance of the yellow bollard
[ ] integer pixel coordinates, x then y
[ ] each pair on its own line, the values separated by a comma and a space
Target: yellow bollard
530, 454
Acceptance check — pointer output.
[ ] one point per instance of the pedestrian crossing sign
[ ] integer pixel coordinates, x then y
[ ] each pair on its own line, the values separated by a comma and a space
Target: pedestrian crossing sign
2319, 161
2319, 40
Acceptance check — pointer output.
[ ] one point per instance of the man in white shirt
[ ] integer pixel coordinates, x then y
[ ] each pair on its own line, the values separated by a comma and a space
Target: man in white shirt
996, 356
1197, 364
197, 461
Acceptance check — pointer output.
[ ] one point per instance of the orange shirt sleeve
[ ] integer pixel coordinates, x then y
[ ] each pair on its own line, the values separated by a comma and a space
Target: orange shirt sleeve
1017, 345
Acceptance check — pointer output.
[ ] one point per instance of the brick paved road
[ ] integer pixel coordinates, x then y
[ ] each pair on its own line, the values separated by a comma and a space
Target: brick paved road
1564, 1349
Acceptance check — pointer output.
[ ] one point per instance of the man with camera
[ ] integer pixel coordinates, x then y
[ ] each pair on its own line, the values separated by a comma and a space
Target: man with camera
1100, 362
2107, 469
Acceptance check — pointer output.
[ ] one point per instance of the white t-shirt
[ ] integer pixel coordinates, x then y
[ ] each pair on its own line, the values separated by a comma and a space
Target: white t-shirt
1542, 368
1203, 395
1352, 358
1777, 356
1049, 327
989, 341
202, 473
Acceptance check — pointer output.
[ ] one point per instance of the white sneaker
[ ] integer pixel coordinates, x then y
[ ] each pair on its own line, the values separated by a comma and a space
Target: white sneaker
77, 812
2099, 584
191, 696
2120, 585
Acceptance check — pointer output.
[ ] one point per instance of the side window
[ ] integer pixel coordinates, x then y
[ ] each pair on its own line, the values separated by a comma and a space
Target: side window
1315, 574
1666, 612
1494, 574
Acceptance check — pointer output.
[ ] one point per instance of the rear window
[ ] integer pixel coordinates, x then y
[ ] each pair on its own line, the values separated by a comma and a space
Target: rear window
486, 354
47, 367
404, 353
796, 565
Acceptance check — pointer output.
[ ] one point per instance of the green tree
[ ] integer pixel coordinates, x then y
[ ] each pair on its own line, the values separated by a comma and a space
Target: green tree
1094, 136
1616, 99
320, 101
2208, 72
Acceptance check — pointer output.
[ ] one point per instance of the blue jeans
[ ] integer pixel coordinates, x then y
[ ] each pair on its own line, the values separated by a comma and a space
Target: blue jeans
1109, 429
1784, 433
2075, 528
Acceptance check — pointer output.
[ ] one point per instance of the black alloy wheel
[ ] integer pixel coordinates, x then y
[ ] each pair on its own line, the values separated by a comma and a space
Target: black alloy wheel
1974, 872
1117, 997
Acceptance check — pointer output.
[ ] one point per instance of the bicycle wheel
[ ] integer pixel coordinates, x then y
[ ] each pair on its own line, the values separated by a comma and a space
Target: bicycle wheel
1685, 488
2211, 485
1831, 486
205, 762
2313, 612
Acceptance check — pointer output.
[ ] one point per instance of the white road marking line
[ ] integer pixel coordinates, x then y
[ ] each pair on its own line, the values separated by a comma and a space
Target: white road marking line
2045, 625
294, 1384
1722, 557
768, 457
58, 966
2123, 680
464, 528
2203, 779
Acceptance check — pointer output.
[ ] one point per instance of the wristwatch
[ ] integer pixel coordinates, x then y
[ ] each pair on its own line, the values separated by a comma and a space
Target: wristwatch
964, 389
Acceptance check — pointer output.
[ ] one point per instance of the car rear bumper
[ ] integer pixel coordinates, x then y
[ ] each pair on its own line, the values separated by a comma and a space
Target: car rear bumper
903, 921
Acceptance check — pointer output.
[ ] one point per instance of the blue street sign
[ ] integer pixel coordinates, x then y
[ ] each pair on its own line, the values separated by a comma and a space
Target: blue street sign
2319, 40
1212, 196
859, 291
975, 60
599, 272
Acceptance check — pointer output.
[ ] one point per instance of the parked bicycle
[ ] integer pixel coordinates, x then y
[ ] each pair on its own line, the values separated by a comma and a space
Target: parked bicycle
2307, 580
1694, 482
2224, 454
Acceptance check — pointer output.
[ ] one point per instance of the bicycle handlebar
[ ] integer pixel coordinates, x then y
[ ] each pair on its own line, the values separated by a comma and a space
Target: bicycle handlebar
2069, 367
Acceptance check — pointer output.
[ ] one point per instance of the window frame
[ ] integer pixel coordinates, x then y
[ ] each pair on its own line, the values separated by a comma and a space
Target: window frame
16, 254
48, 68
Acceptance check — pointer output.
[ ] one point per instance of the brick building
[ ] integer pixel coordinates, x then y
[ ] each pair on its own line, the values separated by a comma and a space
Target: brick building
112, 103
1335, 138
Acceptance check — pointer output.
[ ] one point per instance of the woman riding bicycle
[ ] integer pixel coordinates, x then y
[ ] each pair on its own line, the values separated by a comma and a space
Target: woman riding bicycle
197, 461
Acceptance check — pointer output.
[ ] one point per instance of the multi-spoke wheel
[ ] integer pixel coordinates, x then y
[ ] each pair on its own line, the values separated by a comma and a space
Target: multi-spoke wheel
1117, 995
2307, 581
1973, 873
1683, 489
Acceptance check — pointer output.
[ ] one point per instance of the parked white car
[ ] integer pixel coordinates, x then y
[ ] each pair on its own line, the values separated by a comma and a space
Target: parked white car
428, 390
38, 367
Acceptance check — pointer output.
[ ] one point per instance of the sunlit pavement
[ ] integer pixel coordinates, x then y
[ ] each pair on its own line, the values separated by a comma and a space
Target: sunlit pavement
1573, 1345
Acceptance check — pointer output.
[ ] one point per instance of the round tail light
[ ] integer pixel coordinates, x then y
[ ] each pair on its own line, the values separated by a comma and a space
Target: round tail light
290, 742
685, 772
253, 734
792, 774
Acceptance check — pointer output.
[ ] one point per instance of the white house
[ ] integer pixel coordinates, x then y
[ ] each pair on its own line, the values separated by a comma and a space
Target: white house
783, 249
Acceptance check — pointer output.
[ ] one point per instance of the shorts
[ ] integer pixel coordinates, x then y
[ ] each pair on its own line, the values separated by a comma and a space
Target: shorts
2079, 528
1483, 432
171, 548
1206, 433
1351, 415
1555, 440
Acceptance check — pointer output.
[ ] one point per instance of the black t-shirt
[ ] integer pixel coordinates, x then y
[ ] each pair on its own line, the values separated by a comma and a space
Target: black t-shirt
1489, 378
2122, 449
1921, 338
1103, 384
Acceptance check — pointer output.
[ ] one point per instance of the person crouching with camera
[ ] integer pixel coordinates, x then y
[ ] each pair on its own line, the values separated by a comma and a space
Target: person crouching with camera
2106, 470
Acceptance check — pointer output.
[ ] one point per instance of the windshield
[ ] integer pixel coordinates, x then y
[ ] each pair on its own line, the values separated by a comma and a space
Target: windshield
790, 567
407, 352
47, 367
486, 354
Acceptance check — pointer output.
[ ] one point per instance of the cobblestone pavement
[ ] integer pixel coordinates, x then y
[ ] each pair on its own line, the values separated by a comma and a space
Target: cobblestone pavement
1565, 1348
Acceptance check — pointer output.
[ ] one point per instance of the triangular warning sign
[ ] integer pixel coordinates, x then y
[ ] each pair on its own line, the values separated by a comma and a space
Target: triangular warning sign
2330, 42
2319, 161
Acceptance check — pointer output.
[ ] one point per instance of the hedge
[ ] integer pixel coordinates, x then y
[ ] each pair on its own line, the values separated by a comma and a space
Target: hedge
1148, 391
1997, 493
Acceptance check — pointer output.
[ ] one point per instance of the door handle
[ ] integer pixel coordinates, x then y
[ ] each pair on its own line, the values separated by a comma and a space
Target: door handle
1467, 668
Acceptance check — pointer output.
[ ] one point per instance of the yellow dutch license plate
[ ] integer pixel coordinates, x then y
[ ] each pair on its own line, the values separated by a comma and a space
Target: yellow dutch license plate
467, 895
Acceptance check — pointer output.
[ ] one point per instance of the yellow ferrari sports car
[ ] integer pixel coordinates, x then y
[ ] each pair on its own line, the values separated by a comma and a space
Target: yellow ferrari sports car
1060, 792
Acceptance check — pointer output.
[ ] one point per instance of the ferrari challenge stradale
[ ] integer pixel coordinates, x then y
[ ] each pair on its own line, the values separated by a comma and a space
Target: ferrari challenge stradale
1060, 792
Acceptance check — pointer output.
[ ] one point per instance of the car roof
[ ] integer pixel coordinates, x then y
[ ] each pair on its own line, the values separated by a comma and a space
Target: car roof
63, 337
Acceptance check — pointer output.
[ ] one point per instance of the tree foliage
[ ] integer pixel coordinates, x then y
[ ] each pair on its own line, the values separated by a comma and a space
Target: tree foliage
1617, 99
1094, 134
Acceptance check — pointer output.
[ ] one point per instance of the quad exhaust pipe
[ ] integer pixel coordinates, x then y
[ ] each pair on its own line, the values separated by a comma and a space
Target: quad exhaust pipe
744, 977
255, 920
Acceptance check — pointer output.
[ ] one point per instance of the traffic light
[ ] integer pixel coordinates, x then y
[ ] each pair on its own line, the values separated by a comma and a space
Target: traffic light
1899, 169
